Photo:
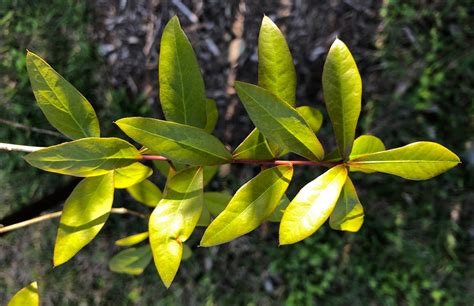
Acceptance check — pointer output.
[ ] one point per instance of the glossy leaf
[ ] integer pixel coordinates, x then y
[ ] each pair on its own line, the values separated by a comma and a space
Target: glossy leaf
131, 261
182, 92
252, 204
342, 88
312, 206
276, 71
131, 175
146, 193
312, 116
333, 156
62, 104
181, 143
132, 240
366, 144
85, 157
216, 202
28, 296
211, 115
348, 215
279, 122
254, 147
174, 219
278, 212
85, 212
417, 161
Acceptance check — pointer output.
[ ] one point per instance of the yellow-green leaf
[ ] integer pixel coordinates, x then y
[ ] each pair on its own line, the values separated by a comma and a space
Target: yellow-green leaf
342, 88
62, 104
216, 202
174, 219
255, 147
178, 142
131, 261
348, 215
279, 122
182, 92
212, 115
276, 71
28, 296
85, 212
252, 204
417, 161
132, 240
312, 116
366, 144
131, 175
278, 212
85, 157
146, 193
312, 206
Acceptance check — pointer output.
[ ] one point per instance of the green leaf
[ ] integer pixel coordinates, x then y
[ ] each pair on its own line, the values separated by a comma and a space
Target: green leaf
348, 215
181, 143
182, 92
174, 219
333, 156
131, 175
132, 240
216, 202
312, 116
279, 122
417, 161
312, 206
212, 115
146, 193
276, 71
366, 144
62, 104
254, 147
85, 212
278, 212
252, 204
28, 296
205, 217
131, 261
342, 88
187, 252
85, 157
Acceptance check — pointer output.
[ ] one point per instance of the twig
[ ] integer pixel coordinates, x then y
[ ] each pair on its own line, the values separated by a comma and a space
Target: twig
32, 129
57, 214
186, 11
260, 162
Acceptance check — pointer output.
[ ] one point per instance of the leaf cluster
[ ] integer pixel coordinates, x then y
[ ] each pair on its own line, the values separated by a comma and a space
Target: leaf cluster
185, 151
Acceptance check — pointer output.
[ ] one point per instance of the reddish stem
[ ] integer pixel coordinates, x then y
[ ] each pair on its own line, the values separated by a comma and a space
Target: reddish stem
260, 162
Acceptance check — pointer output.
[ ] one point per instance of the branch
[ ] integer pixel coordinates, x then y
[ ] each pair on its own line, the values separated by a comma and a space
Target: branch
31, 129
259, 162
11, 147
57, 214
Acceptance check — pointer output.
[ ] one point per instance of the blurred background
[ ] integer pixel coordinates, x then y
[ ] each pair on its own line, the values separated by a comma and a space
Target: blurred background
416, 59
